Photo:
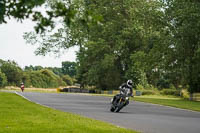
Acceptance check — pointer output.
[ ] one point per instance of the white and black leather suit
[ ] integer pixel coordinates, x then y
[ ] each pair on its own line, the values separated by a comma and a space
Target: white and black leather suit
122, 88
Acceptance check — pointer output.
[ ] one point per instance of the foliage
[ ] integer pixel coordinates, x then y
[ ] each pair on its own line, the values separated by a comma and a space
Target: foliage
3, 79
105, 59
140, 87
45, 79
33, 68
170, 92
26, 79
163, 83
185, 94
110, 45
149, 92
69, 68
13, 73
67, 79
151, 42
34, 76
21, 10
184, 30
56, 70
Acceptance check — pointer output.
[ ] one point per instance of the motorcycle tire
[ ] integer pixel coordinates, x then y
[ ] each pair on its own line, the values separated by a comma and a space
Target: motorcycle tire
112, 109
119, 108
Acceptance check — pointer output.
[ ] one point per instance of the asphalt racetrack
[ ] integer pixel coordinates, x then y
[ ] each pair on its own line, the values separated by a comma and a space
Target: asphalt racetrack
142, 117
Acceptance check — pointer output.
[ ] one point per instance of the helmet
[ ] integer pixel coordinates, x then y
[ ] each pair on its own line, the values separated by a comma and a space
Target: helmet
130, 83
22, 83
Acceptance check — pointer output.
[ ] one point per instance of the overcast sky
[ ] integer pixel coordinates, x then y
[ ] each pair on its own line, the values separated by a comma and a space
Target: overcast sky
13, 47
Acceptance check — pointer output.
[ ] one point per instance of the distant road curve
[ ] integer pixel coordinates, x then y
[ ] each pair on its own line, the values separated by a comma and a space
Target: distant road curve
143, 117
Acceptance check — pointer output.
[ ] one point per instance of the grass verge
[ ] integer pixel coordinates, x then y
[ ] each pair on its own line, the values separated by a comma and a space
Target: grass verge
18, 115
170, 101
42, 90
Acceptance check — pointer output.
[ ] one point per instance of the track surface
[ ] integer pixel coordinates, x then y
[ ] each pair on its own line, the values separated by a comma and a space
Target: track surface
143, 117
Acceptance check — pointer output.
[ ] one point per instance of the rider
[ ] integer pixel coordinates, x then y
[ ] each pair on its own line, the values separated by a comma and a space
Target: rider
127, 85
22, 87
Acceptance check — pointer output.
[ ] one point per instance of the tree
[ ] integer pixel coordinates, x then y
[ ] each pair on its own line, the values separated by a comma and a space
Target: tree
45, 79
69, 68
33, 68
24, 9
13, 73
128, 27
113, 31
3, 79
26, 79
184, 18
67, 79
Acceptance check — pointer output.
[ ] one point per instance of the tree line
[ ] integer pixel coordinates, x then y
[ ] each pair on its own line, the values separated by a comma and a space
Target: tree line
153, 42
37, 76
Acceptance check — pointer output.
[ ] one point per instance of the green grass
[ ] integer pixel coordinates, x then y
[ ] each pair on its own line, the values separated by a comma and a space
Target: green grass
170, 101
31, 90
18, 115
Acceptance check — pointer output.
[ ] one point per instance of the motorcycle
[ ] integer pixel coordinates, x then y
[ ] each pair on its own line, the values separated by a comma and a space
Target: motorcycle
122, 101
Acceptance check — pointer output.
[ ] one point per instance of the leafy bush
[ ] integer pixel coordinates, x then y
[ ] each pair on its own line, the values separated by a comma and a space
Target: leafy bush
60, 81
170, 92
26, 79
147, 87
149, 92
171, 86
139, 87
185, 94
45, 79
163, 83
67, 79
38, 80
3, 79
13, 73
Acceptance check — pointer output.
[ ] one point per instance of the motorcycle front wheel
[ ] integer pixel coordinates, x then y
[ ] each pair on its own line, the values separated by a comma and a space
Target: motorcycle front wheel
120, 107
112, 108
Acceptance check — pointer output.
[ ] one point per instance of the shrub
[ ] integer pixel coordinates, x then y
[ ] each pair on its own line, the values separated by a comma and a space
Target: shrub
60, 81
38, 80
45, 79
148, 92
26, 79
185, 94
3, 79
13, 73
67, 79
172, 87
170, 92
139, 87
163, 83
